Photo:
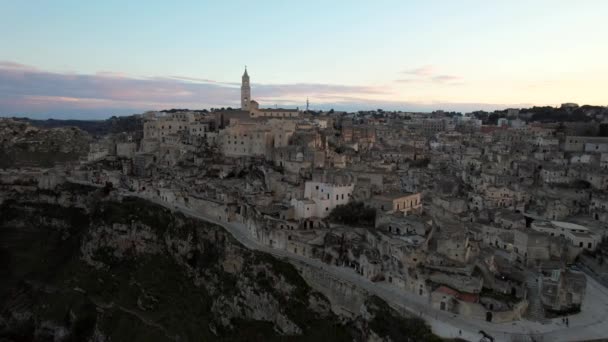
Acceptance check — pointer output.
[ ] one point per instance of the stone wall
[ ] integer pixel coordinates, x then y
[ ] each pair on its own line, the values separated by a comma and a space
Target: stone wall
478, 311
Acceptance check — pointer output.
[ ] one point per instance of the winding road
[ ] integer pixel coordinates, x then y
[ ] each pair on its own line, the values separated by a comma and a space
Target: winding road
590, 324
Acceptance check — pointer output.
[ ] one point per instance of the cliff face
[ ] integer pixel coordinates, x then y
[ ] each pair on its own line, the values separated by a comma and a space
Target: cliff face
78, 264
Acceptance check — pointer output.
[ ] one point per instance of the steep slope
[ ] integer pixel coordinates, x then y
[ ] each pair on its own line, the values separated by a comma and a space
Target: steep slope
78, 264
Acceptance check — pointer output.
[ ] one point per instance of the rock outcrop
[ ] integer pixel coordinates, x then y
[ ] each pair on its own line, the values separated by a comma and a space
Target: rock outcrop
25, 145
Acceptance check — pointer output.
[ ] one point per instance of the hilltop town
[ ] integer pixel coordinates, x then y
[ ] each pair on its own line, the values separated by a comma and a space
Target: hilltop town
493, 219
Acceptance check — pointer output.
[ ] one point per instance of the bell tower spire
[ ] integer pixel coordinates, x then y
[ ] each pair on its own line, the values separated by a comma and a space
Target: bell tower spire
245, 91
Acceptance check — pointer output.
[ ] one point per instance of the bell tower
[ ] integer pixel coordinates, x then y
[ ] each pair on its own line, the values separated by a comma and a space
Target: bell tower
245, 91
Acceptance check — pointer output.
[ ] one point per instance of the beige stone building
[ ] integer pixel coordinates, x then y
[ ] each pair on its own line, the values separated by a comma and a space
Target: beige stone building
246, 140
398, 202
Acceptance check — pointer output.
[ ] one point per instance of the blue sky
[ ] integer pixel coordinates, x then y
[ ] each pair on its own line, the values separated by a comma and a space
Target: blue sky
85, 58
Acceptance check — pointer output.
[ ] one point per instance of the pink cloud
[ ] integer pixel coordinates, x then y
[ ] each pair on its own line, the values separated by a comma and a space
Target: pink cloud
24, 89
202, 80
428, 74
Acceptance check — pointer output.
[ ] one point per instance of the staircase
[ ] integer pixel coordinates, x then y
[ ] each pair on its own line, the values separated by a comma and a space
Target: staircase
535, 311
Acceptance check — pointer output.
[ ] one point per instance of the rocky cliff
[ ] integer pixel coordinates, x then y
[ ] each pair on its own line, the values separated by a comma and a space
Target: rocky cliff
82, 264
22, 144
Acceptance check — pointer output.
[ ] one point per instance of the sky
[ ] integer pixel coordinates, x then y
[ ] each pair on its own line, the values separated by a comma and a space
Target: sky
95, 59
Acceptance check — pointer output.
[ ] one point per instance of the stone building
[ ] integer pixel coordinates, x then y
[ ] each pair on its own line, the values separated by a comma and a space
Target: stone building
246, 140
126, 149
586, 144
577, 235
405, 203
322, 194
563, 291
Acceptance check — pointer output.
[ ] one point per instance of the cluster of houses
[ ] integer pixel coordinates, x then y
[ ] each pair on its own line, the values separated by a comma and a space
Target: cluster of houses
483, 221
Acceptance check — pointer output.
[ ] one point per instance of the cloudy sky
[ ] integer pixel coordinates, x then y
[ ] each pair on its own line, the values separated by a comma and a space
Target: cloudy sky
85, 59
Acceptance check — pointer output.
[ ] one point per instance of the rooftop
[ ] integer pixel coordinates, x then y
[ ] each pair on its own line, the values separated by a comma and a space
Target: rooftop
394, 195
465, 297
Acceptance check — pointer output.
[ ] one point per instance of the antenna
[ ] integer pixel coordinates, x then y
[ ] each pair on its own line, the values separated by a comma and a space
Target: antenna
307, 103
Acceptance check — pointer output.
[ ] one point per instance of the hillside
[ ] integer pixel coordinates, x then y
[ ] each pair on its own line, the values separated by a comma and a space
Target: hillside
116, 124
25, 145
80, 265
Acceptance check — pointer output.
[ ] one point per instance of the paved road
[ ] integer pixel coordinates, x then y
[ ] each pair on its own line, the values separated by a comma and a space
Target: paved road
589, 324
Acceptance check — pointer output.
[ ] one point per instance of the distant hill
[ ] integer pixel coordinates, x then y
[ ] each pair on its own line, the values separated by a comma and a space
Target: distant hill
545, 114
115, 124
23, 144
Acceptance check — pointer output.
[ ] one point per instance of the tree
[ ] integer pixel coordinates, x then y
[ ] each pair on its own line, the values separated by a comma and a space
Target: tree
107, 188
353, 214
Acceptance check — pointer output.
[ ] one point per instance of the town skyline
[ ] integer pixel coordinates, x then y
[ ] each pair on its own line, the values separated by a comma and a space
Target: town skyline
202, 94
100, 60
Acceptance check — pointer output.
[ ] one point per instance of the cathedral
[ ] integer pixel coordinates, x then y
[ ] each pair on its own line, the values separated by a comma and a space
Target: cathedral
251, 106
250, 109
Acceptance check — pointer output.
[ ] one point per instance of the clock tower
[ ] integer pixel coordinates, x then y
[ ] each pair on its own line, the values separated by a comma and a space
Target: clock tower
245, 91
